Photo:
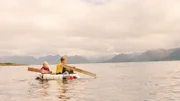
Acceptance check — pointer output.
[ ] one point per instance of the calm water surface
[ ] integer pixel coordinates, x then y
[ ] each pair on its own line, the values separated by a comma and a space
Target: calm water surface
147, 81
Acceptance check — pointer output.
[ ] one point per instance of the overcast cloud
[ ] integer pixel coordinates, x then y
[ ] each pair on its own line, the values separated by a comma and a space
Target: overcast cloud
87, 27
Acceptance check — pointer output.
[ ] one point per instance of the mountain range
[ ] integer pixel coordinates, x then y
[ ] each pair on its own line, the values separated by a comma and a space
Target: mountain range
51, 59
150, 55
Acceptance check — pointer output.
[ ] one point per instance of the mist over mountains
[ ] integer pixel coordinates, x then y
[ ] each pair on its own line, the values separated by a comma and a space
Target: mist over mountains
150, 55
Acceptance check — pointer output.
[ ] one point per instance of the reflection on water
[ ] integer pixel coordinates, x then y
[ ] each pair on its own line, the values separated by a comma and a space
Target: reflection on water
63, 89
44, 86
43, 89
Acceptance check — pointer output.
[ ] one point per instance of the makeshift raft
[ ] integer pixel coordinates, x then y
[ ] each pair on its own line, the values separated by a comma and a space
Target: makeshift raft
57, 77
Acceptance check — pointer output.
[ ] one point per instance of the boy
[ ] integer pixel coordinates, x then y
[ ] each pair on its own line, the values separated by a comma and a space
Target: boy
60, 69
45, 69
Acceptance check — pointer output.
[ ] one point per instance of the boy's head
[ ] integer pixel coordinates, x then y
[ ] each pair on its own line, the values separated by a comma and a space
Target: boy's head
45, 64
63, 59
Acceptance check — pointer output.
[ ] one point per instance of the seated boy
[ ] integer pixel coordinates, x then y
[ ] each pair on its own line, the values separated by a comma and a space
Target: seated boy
45, 69
60, 69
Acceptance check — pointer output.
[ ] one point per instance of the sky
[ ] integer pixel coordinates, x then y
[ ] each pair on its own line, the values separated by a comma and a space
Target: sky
87, 27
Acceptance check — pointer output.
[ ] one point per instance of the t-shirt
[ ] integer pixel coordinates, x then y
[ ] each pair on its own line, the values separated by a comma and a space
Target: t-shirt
59, 68
45, 68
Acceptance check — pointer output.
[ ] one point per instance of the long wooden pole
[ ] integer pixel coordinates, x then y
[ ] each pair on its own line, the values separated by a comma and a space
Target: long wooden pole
80, 71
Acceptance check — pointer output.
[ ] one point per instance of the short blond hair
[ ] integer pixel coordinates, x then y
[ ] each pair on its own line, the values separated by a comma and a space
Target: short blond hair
45, 64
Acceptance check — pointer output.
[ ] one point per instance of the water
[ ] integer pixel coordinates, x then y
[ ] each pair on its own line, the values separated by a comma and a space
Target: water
147, 81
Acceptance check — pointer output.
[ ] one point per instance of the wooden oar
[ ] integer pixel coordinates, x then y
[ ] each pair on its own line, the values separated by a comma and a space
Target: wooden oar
80, 70
32, 69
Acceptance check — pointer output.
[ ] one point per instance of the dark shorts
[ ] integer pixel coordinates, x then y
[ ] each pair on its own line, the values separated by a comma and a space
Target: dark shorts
64, 70
70, 72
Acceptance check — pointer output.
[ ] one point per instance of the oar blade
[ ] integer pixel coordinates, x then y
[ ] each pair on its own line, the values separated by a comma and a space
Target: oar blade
34, 69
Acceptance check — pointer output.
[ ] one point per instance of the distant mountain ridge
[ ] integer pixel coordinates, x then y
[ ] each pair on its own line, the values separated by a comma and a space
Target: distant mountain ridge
51, 59
150, 55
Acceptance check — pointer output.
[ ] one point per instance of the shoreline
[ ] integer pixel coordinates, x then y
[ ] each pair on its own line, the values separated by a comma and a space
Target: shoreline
11, 64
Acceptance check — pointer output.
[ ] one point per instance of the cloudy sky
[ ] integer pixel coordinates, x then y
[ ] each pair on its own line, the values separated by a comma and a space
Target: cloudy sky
87, 27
